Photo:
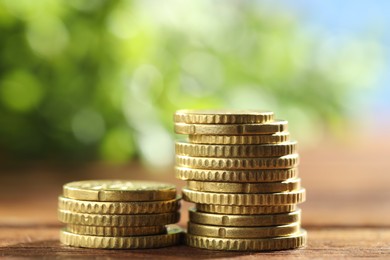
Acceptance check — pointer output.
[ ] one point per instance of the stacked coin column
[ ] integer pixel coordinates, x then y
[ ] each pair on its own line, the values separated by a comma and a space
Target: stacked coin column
119, 214
241, 171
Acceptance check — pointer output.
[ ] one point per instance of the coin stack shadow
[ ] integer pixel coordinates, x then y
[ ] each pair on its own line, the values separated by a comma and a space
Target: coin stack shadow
241, 171
116, 214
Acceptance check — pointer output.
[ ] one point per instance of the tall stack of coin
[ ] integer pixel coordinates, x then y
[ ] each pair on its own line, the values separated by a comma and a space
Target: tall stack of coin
241, 171
119, 214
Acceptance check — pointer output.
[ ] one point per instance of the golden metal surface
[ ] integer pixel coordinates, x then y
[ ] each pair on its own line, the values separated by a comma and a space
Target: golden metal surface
230, 187
245, 210
231, 129
222, 116
115, 231
119, 190
283, 162
233, 244
229, 151
242, 232
279, 137
118, 220
241, 199
196, 216
187, 174
142, 207
172, 237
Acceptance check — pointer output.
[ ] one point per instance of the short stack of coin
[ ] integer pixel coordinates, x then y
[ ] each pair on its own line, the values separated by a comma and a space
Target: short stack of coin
116, 214
241, 171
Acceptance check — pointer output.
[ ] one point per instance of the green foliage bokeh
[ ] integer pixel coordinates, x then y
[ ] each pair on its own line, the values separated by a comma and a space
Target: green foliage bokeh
100, 79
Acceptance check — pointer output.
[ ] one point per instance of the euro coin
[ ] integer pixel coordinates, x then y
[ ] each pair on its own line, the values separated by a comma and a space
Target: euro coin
119, 190
250, 244
231, 129
283, 162
118, 220
230, 187
279, 137
242, 232
115, 231
245, 210
242, 199
118, 208
229, 151
172, 237
222, 116
262, 175
244, 220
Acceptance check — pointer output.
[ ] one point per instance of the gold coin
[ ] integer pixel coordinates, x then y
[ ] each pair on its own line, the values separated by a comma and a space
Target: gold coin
231, 129
230, 187
242, 199
119, 190
228, 151
242, 232
244, 220
283, 162
222, 116
172, 237
142, 207
115, 231
279, 137
186, 174
245, 210
118, 220
260, 244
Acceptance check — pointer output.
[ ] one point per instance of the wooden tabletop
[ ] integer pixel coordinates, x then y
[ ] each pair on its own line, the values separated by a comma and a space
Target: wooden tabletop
347, 212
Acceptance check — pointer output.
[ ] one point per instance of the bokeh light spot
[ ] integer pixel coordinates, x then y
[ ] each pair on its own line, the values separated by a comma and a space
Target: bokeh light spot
21, 91
118, 145
47, 36
88, 126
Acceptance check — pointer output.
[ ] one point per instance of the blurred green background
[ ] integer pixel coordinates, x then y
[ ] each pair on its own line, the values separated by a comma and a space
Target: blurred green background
100, 80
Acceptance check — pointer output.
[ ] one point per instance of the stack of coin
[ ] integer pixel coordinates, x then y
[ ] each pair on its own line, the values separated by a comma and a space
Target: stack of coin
119, 214
241, 171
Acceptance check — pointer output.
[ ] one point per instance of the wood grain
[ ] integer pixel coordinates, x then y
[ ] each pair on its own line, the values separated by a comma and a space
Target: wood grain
330, 242
346, 212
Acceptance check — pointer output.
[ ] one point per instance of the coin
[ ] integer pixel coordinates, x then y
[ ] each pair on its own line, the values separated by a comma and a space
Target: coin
228, 151
244, 220
279, 137
142, 207
221, 175
172, 237
231, 129
119, 190
283, 162
231, 187
115, 231
118, 220
245, 210
241, 199
242, 232
234, 244
222, 116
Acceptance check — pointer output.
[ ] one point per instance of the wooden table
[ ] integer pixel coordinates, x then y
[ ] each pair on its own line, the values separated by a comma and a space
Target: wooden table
347, 213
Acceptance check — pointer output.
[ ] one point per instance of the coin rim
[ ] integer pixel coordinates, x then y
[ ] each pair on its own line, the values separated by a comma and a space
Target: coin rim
172, 237
230, 220
235, 244
245, 199
243, 232
247, 187
221, 116
116, 208
236, 150
78, 193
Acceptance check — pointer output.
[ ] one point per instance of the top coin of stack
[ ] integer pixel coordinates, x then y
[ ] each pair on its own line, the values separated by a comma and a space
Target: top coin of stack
119, 214
241, 171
